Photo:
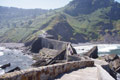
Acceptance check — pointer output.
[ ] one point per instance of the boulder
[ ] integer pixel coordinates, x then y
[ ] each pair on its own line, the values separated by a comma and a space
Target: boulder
93, 53
5, 66
111, 57
115, 65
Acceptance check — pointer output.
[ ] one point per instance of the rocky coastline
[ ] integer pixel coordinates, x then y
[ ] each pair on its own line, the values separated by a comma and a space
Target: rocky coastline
49, 51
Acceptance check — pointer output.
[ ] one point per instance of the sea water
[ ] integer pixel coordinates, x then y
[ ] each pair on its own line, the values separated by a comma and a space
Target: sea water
16, 58
102, 48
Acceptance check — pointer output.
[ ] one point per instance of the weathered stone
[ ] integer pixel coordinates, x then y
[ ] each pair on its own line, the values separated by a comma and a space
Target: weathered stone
73, 58
61, 56
93, 53
48, 53
39, 63
46, 72
115, 65
111, 57
5, 66
47, 43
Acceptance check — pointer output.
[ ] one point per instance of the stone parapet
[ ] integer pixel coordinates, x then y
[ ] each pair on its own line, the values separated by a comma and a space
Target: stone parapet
46, 72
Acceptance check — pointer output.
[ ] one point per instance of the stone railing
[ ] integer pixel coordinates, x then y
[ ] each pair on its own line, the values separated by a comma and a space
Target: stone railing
46, 72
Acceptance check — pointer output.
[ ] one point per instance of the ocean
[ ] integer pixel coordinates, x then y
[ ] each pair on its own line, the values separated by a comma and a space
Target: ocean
103, 49
15, 57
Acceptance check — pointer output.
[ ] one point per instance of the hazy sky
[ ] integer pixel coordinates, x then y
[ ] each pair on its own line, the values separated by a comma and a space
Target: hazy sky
44, 4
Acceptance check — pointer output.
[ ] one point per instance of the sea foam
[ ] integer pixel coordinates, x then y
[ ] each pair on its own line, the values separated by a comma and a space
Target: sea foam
1, 53
101, 47
2, 48
107, 47
2, 71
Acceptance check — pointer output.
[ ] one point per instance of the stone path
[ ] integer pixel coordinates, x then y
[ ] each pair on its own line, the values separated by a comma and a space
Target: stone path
89, 73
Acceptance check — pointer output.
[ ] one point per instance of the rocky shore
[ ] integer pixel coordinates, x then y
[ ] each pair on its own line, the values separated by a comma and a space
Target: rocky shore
49, 51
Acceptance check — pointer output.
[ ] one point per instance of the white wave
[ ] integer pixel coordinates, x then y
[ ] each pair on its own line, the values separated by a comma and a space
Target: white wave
101, 47
107, 48
29, 56
1, 53
83, 49
2, 48
2, 71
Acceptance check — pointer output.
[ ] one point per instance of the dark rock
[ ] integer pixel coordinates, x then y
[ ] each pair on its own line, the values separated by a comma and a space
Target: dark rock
71, 49
93, 53
111, 57
5, 66
37, 45
14, 69
108, 69
47, 43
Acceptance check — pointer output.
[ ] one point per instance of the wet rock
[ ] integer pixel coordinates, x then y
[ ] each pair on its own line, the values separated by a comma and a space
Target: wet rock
93, 53
14, 69
5, 66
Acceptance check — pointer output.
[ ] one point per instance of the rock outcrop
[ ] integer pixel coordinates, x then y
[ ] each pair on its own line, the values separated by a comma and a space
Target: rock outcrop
50, 58
111, 57
5, 66
115, 65
93, 53
114, 62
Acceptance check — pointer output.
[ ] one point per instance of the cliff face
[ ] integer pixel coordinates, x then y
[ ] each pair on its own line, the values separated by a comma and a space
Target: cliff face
63, 31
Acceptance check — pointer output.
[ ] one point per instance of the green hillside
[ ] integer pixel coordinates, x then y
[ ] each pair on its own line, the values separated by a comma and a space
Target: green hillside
79, 21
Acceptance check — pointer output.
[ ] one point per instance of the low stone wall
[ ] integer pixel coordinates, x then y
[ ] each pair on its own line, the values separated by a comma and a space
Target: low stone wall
46, 72
47, 43
102, 74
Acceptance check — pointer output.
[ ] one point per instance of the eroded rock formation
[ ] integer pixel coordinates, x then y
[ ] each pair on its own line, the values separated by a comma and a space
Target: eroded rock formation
50, 51
93, 53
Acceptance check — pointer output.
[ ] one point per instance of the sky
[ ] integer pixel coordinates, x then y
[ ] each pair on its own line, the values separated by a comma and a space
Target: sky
28, 4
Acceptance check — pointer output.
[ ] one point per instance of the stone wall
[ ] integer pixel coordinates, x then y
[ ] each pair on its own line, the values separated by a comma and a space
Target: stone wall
46, 72
47, 43
103, 74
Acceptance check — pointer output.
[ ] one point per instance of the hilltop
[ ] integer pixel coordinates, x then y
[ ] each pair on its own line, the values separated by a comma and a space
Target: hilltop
79, 21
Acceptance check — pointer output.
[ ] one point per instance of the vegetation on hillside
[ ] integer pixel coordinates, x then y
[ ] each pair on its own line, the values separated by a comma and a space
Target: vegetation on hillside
79, 21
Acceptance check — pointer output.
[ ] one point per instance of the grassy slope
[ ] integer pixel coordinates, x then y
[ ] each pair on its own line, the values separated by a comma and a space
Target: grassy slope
89, 25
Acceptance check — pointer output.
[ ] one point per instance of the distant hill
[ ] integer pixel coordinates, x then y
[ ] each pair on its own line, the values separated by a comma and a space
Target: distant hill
79, 21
